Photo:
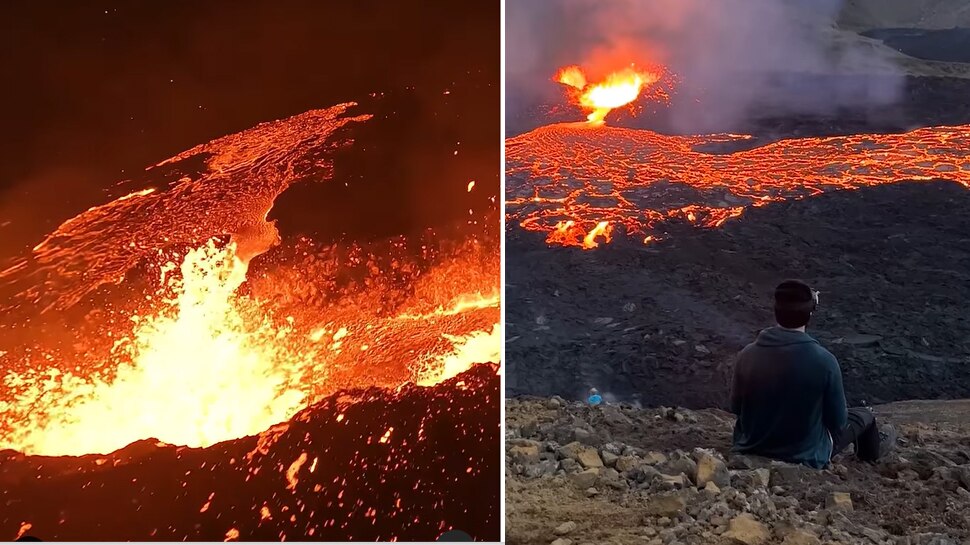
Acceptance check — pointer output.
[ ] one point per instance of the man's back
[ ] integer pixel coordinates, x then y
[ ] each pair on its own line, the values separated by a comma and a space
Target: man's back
789, 399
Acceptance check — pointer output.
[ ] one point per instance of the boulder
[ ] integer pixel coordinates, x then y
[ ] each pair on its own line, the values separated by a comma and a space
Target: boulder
590, 458
570, 450
751, 479
679, 465
711, 469
613, 448
609, 459
585, 479
524, 454
839, 501
541, 469
744, 529
610, 476
643, 474
585, 455
626, 463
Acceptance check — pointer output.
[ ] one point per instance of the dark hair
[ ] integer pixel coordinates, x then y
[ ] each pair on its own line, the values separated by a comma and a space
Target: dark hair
794, 304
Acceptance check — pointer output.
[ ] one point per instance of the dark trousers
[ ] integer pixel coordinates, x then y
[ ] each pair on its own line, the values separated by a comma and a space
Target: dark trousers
861, 430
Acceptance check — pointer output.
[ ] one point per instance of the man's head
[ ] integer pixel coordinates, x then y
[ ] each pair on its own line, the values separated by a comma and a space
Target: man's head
794, 303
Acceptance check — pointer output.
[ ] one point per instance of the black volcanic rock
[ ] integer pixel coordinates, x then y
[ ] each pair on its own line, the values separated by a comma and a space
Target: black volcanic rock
361, 465
890, 261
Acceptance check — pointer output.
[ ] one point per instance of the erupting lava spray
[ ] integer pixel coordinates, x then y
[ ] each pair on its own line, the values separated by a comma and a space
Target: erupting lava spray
204, 354
616, 90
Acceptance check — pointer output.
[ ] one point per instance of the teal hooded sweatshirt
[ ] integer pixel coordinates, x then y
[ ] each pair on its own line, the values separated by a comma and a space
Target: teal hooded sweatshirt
788, 398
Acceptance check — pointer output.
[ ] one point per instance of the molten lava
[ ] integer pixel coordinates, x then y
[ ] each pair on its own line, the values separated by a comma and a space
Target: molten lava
578, 186
186, 345
617, 89
181, 368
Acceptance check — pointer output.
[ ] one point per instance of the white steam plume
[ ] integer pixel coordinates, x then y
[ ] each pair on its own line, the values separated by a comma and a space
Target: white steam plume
733, 57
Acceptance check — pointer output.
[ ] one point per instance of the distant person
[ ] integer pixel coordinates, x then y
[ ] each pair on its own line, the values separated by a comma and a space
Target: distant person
788, 395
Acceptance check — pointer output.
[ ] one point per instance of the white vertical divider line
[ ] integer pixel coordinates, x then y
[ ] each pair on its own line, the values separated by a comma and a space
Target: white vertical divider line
502, 367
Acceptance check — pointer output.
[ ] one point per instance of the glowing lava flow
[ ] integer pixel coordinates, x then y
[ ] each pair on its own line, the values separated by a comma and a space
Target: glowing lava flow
201, 355
578, 186
615, 91
186, 205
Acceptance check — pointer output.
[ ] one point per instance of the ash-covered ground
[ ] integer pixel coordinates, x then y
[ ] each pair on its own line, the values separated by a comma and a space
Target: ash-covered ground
661, 324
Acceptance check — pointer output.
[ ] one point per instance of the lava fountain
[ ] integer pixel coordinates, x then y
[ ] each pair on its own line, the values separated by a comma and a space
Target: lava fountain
579, 187
617, 89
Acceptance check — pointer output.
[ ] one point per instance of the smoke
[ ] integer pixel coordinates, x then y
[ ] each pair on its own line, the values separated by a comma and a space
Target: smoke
732, 57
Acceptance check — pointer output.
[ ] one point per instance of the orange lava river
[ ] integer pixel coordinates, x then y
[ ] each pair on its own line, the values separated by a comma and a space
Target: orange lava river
580, 184
186, 345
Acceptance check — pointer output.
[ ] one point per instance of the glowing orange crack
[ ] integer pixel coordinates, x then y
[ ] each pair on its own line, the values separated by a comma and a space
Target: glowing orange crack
567, 182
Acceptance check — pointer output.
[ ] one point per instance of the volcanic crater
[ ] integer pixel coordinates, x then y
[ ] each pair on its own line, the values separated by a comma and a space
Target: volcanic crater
185, 362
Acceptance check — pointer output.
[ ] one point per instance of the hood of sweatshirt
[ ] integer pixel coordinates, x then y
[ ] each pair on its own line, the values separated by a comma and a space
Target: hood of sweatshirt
779, 336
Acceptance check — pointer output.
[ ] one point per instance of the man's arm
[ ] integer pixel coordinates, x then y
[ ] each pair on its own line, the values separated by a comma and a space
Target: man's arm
834, 410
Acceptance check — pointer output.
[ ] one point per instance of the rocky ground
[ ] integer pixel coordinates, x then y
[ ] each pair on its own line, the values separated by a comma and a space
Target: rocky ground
619, 474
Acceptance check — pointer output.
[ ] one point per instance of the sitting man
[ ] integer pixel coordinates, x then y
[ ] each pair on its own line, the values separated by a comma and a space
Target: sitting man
788, 395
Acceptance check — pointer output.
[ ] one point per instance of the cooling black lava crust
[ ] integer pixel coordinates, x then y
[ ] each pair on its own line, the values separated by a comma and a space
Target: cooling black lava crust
661, 324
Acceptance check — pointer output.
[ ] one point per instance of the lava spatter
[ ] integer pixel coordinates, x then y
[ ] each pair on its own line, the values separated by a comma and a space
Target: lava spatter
615, 90
202, 349
579, 186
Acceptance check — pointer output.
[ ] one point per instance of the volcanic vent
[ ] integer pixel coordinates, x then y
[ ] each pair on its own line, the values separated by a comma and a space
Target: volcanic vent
176, 324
